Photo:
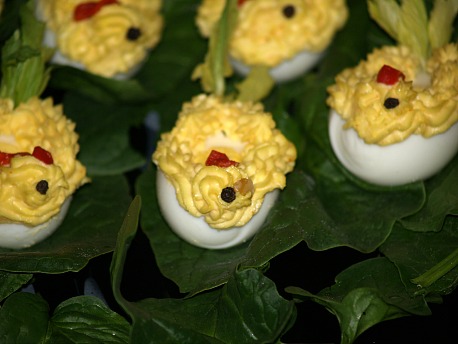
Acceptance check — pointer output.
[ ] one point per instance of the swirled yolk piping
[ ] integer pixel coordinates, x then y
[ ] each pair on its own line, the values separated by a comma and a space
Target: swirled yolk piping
424, 102
222, 158
39, 169
269, 32
109, 37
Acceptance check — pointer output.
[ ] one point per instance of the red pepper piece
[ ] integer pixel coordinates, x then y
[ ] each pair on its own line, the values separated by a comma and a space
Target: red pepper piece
43, 155
219, 159
38, 153
5, 159
88, 9
389, 75
240, 2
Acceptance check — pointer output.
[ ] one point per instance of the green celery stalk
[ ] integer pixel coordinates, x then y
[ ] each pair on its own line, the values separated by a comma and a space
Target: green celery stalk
23, 60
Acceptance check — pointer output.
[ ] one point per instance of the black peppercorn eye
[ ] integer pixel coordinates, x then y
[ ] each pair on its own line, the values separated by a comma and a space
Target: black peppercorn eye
133, 33
289, 11
42, 187
391, 103
228, 194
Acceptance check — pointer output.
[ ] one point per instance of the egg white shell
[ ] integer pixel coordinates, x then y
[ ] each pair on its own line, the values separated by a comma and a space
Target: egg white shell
287, 70
195, 230
414, 159
17, 236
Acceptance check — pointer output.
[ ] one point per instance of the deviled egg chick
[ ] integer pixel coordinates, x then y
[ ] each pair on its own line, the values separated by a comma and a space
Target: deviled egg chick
393, 120
219, 171
287, 36
39, 171
110, 38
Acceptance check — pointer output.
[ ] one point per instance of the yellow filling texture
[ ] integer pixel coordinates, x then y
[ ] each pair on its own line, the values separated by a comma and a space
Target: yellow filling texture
100, 42
424, 109
37, 123
247, 135
264, 35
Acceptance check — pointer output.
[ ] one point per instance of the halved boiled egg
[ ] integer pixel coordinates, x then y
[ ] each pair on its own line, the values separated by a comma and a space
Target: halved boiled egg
287, 36
18, 235
393, 120
39, 171
219, 171
110, 38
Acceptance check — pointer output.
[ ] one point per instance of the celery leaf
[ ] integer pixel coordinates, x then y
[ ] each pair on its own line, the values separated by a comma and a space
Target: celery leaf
441, 22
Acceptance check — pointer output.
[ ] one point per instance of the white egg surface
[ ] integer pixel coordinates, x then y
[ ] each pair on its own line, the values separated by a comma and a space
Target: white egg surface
414, 159
286, 70
196, 231
18, 236
221, 163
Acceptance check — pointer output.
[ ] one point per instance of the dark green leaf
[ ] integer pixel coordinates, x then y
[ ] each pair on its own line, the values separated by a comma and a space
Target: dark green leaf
365, 294
24, 319
247, 309
181, 49
359, 310
9, 283
414, 253
441, 200
281, 103
98, 88
125, 236
86, 319
89, 230
105, 146
10, 18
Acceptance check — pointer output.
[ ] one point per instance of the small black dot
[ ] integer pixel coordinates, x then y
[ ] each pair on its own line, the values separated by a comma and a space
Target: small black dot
391, 103
228, 194
289, 11
133, 33
42, 187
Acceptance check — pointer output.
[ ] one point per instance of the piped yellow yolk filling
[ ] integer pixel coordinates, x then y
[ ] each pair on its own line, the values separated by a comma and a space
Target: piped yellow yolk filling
247, 135
37, 123
113, 40
269, 32
427, 97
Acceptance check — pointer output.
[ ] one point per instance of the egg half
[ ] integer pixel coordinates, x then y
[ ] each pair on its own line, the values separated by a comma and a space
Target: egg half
39, 171
19, 236
109, 38
287, 36
220, 170
394, 118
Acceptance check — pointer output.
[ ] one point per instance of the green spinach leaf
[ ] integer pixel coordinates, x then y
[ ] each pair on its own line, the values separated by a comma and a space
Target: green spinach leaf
10, 282
24, 318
